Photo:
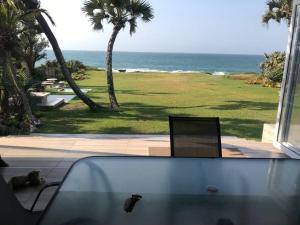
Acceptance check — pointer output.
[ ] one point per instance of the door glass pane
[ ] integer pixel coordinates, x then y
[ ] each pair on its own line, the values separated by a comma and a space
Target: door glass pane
290, 121
294, 131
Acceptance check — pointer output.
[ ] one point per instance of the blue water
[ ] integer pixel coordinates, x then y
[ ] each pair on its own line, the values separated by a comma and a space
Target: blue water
171, 62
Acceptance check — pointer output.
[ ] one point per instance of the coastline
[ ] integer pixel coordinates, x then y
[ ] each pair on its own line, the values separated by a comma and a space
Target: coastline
145, 71
134, 62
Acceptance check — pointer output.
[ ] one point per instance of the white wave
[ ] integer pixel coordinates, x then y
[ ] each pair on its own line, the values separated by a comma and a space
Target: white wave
185, 71
146, 70
219, 73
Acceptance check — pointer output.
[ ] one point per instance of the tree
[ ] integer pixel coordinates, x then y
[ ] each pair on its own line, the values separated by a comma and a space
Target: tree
278, 10
34, 7
119, 13
11, 25
33, 46
272, 68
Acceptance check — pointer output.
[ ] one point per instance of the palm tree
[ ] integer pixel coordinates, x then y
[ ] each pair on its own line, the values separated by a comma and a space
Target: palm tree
34, 6
119, 13
278, 10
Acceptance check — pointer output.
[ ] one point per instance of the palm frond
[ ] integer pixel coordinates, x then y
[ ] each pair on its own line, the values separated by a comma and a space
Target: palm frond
96, 21
119, 4
43, 11
132, 25
90, 5
141, 8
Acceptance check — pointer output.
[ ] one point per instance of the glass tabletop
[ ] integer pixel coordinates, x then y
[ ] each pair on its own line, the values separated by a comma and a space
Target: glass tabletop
171, 191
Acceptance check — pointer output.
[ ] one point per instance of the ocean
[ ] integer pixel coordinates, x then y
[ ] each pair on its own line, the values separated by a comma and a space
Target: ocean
218, 64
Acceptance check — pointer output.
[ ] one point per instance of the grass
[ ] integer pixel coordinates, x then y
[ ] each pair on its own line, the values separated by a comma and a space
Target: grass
148, 99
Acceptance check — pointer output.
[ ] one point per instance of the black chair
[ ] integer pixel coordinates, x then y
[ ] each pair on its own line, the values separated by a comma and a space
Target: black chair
195, 137
11, 210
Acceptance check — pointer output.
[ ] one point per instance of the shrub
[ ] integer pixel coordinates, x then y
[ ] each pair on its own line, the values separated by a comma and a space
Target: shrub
272, 68
80, 75
75, 66
52, 69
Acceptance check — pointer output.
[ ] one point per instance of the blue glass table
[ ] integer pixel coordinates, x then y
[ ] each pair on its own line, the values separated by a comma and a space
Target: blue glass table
183, 191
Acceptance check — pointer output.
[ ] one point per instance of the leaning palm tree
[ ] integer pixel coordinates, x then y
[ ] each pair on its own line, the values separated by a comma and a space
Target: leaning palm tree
278, 10
34, 7
119, 13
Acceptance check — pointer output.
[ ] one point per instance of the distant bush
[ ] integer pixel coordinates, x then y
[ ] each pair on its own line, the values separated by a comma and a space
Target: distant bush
80, 75
75, 66
272, 68
51, 69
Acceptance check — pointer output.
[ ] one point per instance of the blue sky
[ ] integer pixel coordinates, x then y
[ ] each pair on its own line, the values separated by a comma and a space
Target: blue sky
193, 26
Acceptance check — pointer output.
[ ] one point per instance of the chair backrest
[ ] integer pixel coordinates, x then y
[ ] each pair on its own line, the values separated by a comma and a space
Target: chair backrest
195, 137
11, 210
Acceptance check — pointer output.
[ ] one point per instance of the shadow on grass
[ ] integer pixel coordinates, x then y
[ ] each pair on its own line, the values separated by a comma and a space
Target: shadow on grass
243, 128
237, 105
75, 121
103, 90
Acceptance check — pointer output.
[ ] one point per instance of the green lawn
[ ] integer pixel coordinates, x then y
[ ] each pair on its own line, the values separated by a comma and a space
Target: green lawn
148, 99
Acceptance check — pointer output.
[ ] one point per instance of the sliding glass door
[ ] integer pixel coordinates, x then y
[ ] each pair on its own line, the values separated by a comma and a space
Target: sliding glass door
289, 120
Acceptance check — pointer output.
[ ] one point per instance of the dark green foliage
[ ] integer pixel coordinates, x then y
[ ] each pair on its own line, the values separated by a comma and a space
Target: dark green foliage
19, 50
75, 66
272, 68
51, 69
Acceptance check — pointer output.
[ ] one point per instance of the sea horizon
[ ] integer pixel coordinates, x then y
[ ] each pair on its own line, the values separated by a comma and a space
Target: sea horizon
214, 63
162, 52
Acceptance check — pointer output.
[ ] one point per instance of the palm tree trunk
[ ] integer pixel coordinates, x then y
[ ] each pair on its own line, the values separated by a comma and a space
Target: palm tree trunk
60, 58
114, 106
30, 66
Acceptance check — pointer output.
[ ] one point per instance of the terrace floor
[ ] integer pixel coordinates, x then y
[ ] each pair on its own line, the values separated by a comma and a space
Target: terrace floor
52, 155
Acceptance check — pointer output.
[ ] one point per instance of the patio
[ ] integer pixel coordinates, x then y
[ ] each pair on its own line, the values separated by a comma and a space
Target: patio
52, 155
